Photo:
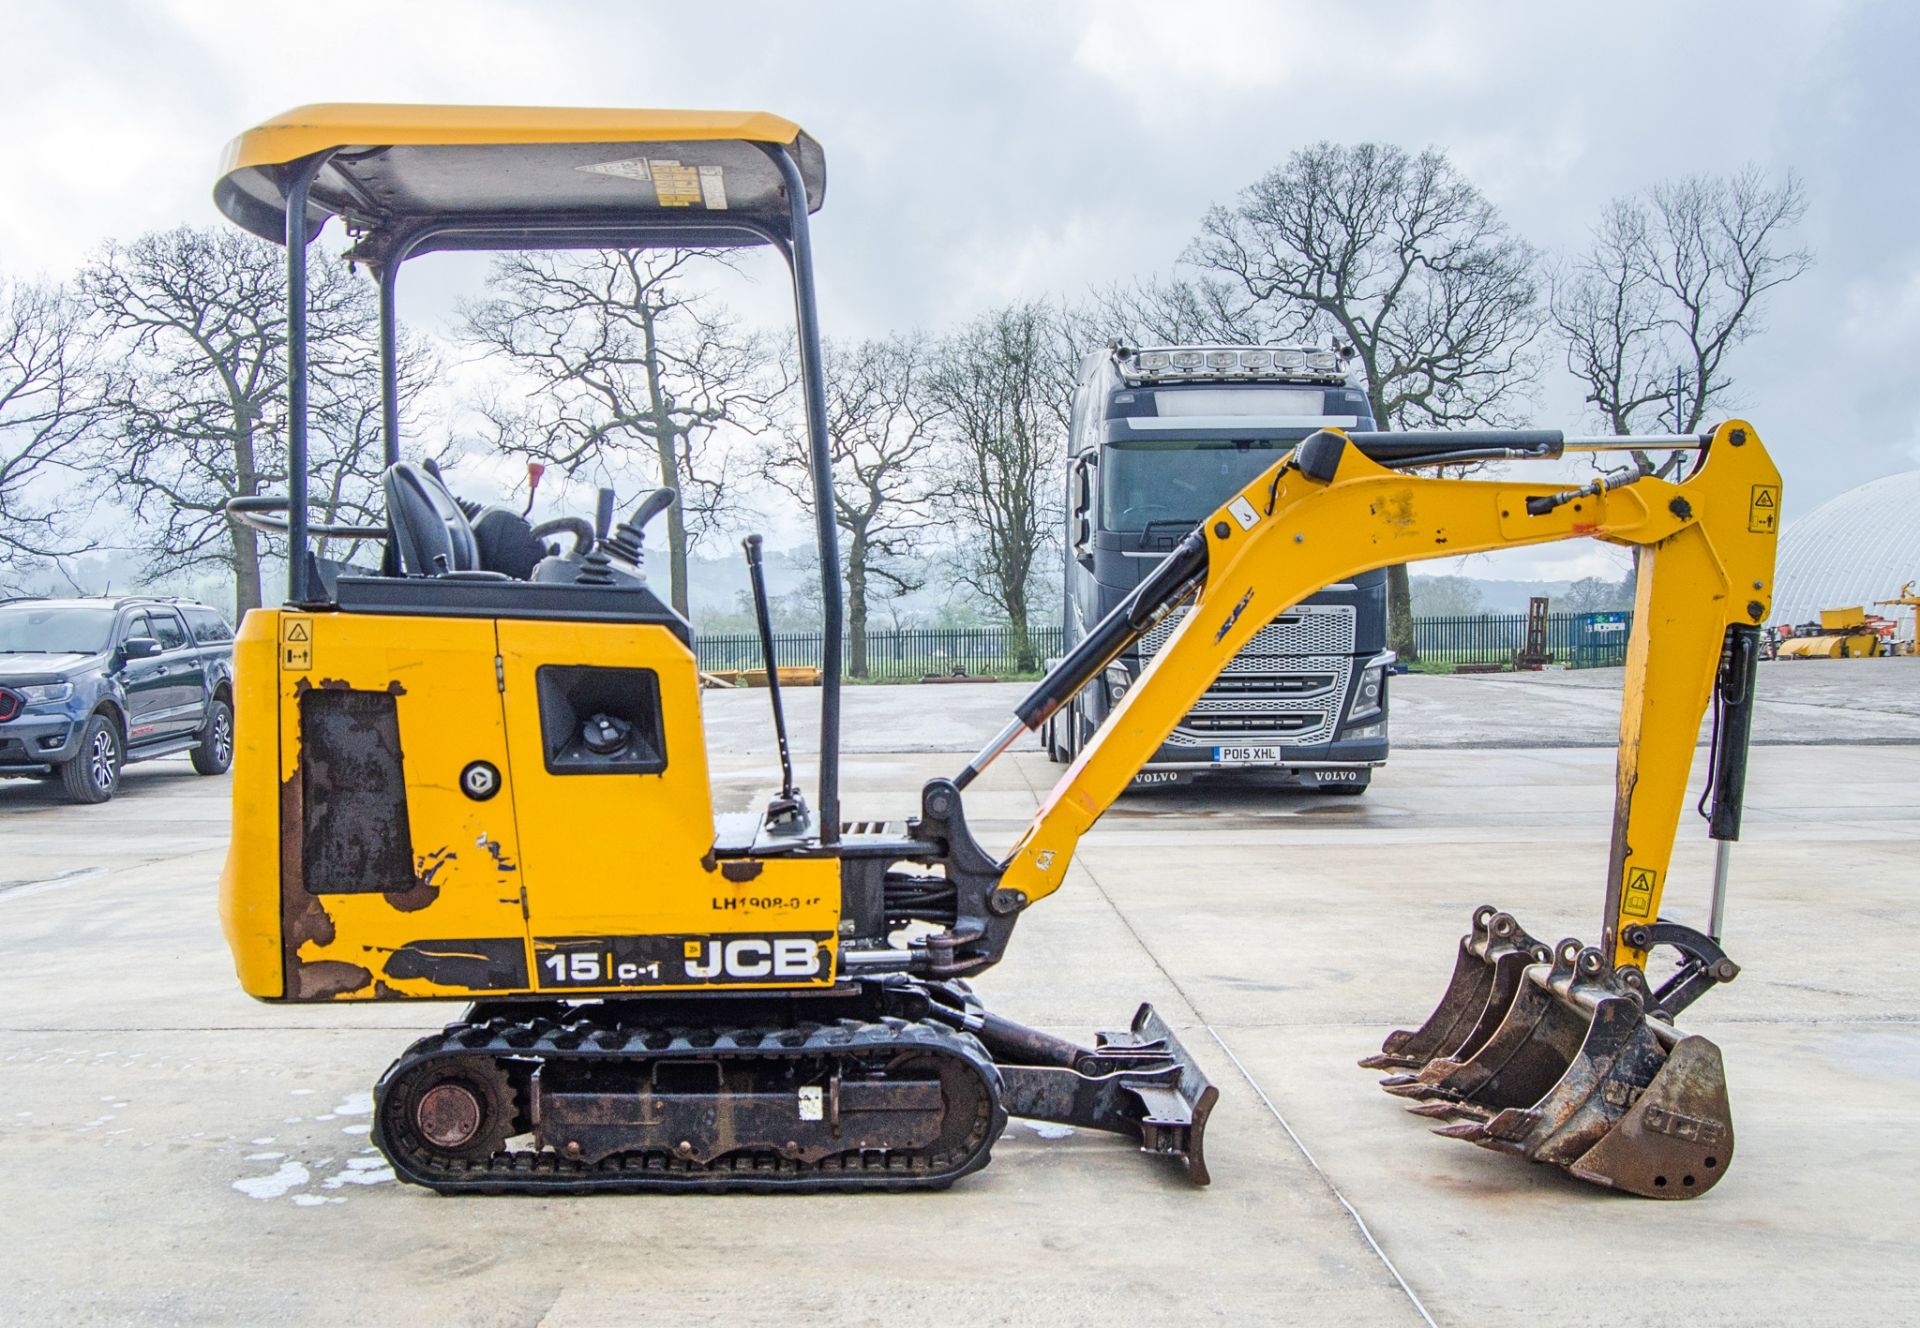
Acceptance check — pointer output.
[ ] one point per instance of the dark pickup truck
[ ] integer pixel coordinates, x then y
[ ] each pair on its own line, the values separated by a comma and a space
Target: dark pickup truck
87, 685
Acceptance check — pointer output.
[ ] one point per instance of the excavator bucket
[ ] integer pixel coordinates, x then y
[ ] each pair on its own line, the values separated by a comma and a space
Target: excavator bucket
1577, 1074
1486, 974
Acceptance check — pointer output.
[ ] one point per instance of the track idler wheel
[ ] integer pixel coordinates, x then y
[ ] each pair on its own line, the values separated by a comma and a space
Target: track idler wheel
451, 1110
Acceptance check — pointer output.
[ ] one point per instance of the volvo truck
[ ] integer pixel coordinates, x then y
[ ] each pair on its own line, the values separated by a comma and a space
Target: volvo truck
1160, 437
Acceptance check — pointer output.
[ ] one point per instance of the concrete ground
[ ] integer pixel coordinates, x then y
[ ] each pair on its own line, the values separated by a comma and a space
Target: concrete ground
1801, 701
175, 1153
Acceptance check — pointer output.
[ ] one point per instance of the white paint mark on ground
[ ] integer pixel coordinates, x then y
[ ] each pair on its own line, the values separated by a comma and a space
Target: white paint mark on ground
265, 1157
360, 1171
291, 1175
357, 1104
1050, 1129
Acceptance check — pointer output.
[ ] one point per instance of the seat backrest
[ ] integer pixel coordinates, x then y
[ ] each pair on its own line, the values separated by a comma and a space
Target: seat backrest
430, 531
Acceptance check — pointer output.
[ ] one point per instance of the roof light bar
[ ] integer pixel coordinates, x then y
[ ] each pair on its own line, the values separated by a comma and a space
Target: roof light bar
1213, 363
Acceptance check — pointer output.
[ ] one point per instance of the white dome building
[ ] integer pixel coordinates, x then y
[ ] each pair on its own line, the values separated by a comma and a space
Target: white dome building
1853, 549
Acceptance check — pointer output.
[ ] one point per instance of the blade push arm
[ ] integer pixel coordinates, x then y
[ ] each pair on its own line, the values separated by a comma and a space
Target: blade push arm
1326, 512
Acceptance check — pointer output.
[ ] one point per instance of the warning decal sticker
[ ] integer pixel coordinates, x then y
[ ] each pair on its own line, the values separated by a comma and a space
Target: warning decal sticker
1763, 509
713, 184
1642, 882
677, 185
296, 643
636, 169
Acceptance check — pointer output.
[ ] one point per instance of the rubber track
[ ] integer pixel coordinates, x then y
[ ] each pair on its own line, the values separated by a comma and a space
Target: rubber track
543, 1171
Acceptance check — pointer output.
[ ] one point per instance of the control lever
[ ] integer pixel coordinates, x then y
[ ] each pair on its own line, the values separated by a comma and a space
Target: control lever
628, 542
787, 807
603, 515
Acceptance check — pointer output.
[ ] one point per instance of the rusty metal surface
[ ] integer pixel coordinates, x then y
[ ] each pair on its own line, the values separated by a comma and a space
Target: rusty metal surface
1575, 1073
1676, 1139
805, 1122
841, 1105
1485, 971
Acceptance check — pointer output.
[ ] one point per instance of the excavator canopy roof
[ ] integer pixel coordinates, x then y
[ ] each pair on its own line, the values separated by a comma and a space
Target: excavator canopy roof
420, 178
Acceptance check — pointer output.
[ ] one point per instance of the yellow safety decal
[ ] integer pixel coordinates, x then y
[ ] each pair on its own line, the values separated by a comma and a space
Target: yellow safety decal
1641, 884
296, 644
1763, 510
677, 185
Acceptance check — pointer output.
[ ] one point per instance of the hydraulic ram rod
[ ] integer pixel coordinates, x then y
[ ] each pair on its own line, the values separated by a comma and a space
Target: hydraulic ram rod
1171, 581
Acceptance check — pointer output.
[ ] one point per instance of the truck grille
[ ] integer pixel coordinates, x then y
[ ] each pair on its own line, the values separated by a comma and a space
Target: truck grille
1289, 683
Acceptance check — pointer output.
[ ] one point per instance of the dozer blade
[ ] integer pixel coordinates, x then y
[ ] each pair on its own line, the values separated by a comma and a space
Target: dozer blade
1173, 1120
1141, 1083
1634, 1106
1486, 973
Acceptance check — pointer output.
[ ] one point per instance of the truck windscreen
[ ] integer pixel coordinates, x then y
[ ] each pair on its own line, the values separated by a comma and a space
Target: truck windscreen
1183, 480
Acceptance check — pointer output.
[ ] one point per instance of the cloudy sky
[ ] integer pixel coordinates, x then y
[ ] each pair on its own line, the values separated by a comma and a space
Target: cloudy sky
981, 152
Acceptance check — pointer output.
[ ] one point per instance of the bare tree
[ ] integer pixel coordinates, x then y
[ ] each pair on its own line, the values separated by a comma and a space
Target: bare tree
1181, 310
1401, 258
1671, 281
626, 353
880, 428
1004, 416
1449, 596
44, 412
192, 384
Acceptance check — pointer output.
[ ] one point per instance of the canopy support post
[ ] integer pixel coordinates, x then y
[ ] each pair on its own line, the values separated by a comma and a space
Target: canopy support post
299, 180
386, 275
799, 253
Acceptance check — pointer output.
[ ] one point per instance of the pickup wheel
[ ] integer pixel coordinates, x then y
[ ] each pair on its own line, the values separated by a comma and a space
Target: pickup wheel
215, 752
93, 772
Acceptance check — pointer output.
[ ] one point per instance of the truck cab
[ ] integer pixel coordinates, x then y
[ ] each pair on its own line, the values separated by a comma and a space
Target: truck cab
1160, 437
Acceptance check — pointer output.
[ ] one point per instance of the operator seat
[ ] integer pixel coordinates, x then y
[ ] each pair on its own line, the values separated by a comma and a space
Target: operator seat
431, 533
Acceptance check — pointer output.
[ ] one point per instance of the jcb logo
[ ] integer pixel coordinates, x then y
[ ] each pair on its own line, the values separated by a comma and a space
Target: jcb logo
789, 957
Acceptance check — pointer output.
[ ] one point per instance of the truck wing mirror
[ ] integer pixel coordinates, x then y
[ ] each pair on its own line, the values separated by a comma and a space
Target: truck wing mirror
139, 647
1083, 541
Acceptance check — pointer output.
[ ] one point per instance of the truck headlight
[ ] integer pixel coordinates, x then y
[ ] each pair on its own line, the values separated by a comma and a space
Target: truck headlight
1366, 696
46, 693
1118, 680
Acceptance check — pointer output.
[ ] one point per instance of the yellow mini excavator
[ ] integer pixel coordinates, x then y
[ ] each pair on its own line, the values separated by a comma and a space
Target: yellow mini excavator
480, 774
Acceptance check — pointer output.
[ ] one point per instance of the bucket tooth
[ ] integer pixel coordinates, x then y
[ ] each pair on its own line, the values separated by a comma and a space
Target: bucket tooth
1449, 1111
1485, 971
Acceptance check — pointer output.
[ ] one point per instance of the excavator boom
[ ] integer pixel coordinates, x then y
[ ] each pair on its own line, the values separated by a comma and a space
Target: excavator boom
1570, 1059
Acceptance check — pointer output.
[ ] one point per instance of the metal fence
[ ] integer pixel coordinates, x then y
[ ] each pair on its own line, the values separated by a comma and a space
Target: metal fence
1583, 640
980, 651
